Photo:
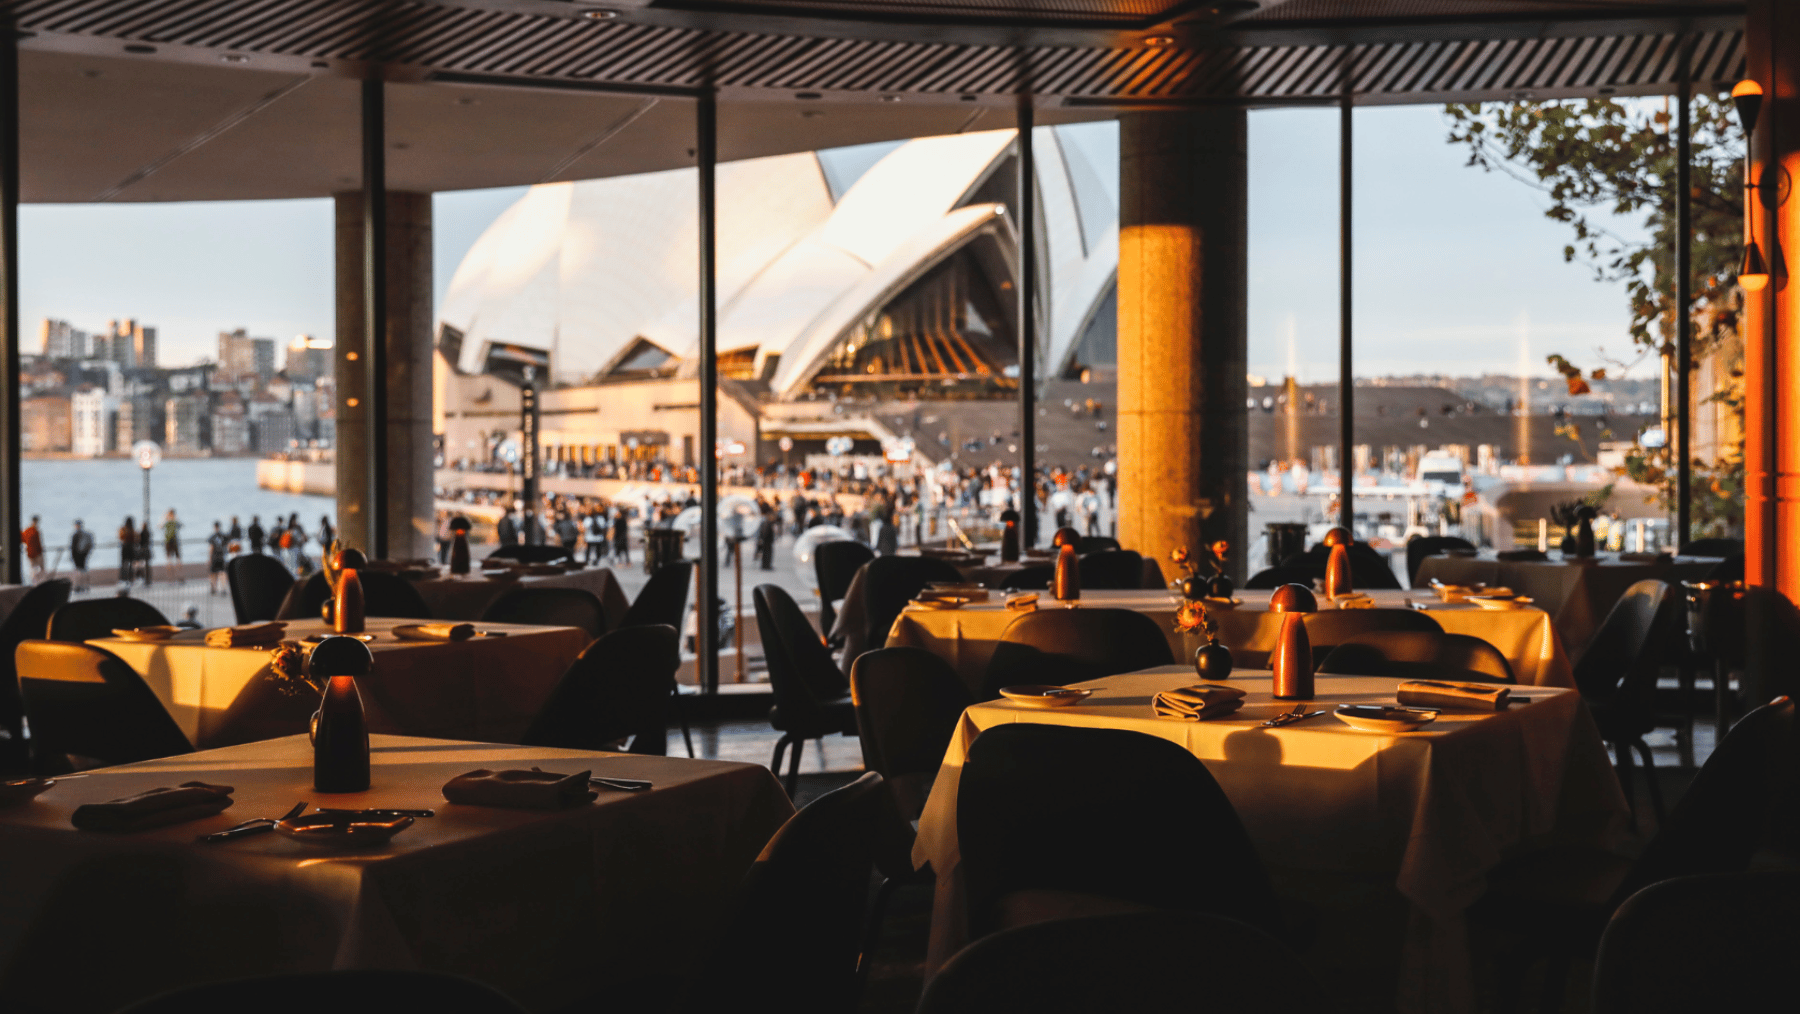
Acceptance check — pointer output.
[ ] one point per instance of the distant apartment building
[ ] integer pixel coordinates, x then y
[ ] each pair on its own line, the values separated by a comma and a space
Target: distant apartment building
130, 344
137, 419
309, 357
92, 411
272, 431
241, 356
186, 424
63, 340
230, 425
44, 424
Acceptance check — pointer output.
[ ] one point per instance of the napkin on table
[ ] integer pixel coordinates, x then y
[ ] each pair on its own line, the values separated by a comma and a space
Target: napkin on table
1355, 600
523, 790
249, 635
155, 808
442, 632
1191, 704
1022, 603
1453, 694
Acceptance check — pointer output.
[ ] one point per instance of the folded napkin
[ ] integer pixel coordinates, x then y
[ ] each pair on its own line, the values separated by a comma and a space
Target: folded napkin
439, 632
523, 790
249, 635
1022, 603
1453, 694
1191, 704
156, 808
1355, 600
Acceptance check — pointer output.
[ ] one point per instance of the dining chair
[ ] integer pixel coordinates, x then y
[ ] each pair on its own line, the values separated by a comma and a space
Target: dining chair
1417, 654
621, 686
835, 565
1715, 941
892, 581
259, 584
84, 703
1270, 578
1125, 963
791, 937
546, 553
1552, 904
1036, 577
663, 599
1521, 556
1715, 547
1329, 628
1095, 544
1617, 677
908, 702
1369, 570
360, 991
384, 594
556, 607
29, 620
1420, 546
1061, 646
84, 619
1112, 569
1057, 821
811, 694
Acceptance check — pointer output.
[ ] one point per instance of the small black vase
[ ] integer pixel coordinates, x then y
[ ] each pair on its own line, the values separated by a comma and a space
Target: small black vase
1193, 587
1212, 660
1220, 587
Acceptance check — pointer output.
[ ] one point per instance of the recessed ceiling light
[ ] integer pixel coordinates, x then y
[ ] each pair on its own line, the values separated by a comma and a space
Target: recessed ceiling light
890, 98
234, 58
1157, 41
138, 47
968, 98
599, 14
321, 64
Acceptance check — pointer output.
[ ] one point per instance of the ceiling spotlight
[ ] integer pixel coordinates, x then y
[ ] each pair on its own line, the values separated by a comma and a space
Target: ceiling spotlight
599, 14
234, 58
1158, 41
890, 98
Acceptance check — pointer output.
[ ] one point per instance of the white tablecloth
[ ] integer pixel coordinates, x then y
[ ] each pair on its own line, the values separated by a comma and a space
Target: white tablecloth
966, 637
487, 689
544, 905
466, 597
1435, 809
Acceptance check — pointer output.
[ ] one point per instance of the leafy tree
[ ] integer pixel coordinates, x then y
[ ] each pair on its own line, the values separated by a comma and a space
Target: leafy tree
1595, 155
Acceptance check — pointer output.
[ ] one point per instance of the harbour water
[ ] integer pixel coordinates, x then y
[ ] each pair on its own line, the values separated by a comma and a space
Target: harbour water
103, 491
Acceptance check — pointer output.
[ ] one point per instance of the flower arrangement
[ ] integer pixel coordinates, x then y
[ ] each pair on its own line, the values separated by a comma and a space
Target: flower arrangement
288, 669
1192, 617
1194, 586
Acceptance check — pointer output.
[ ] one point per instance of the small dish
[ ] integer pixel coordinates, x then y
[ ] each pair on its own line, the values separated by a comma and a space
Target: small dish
1033, 695
1384, 718
947, 602
23, 789
342, 830
157, 633
1498, 603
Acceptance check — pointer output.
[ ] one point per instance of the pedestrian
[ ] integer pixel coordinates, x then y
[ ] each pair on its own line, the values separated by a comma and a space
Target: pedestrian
236, 534
327, 534
506, 530
144, 546
127, 551
595, 535
172, 542
218, 544
567, 533
256, 534
81, 543
621, 537
33, 541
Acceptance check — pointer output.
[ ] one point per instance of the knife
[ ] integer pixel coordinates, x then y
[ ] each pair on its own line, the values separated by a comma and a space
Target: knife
621, 784
1290, 718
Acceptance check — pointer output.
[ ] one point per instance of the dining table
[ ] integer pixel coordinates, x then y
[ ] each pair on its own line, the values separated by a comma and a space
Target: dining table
1576, 593
544, 905
486, 688
467, 596
966, 636
1428, 811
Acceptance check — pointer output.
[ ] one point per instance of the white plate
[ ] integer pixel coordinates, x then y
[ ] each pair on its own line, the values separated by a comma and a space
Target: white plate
1500, 603
1038, 696
1380, 718
341, 831
159, 633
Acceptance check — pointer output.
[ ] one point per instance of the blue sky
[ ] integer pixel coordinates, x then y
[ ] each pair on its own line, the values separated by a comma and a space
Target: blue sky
1454, 266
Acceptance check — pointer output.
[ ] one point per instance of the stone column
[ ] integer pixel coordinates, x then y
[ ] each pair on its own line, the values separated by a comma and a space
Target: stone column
1183, 436
411, 524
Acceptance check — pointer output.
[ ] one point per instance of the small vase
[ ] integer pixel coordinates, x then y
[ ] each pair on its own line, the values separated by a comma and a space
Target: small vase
1220, 587
1194, 587
459, 553
1212, 661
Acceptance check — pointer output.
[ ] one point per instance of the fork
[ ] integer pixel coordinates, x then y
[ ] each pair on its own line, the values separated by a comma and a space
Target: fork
1299, 709
255, 825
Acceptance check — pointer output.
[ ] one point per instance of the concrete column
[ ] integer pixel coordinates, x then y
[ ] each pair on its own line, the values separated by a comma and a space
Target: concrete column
410, 512
1183, 436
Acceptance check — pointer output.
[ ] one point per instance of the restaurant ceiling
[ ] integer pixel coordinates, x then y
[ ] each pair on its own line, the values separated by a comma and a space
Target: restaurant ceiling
211, 99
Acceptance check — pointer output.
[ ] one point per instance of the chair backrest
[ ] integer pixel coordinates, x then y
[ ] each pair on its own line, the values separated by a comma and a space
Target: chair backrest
908, 702
1522, 556
349, 992
1112, 568
801, 671
84, 619
1623, 657
793, 933
663, 599
557, 607
384, 594
1033, 578
1329, 628
620, 686
1420, 546
29, 620
1270, 578
892, 581
547, 553
1417, 654
1102, 812
1715, 547
1723, 941
1059, 646
835, 565
1095, 543
1369, 570
1122, 963
258, 585
85, 701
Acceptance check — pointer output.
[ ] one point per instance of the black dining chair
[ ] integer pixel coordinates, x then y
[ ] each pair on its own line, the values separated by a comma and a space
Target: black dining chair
1716, 941
29, 620
1033, 578
892, 581
85, 619
1061, 646
546, 553
663, 599
1125, 963
1521, 556
1329, 628
259, 584
1420, 546
85, 704
384, 594
1056, 821
621, 686
834, 566
792, 936
1369, 570
553, 607
1270, 578
1112, 569
811, 694
1617, 676
1715, 547
908, 702
1417, 654
1095, 544
360, 991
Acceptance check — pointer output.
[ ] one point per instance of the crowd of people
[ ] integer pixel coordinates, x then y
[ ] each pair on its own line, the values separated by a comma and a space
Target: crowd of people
284, 538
